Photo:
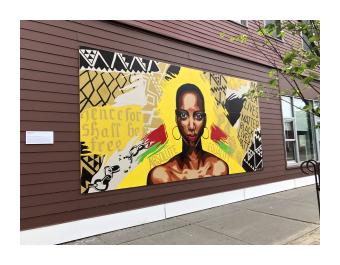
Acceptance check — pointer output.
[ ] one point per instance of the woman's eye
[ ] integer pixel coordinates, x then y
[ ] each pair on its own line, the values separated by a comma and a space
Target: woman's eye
198, 116
183, 115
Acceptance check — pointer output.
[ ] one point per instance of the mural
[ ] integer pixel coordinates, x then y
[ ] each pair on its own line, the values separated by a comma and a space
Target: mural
144, 122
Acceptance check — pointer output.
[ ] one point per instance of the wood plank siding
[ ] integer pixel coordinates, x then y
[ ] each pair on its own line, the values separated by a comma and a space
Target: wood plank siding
50, 176
206, 34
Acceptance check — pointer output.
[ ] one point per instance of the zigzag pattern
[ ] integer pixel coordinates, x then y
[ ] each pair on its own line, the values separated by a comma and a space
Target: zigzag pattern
219, 89
98, 60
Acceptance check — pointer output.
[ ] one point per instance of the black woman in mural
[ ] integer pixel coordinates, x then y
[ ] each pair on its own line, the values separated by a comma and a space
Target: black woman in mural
193, 162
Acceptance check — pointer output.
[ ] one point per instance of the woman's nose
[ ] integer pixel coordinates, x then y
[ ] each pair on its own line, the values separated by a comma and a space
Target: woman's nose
191, 124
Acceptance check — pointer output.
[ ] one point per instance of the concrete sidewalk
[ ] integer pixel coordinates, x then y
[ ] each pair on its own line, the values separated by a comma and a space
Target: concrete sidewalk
289, 217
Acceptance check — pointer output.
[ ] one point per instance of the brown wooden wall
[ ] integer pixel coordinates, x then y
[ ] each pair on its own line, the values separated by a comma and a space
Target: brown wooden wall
206, 33
50, 176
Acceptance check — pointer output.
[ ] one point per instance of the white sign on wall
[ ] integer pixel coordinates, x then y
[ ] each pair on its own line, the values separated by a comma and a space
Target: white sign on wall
39, 137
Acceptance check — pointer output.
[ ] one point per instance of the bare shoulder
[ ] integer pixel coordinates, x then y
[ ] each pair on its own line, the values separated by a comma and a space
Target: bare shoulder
220, 167
158, 174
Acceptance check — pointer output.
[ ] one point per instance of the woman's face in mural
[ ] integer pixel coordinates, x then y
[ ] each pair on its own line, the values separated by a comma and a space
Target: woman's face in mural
190, 117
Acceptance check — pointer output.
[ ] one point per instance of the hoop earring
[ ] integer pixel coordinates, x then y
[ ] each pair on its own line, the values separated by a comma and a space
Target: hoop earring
172, 132
208, 134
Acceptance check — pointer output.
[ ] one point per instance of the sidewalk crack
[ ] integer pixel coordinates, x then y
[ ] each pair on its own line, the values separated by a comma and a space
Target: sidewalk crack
152, 234
248, 243
289, 218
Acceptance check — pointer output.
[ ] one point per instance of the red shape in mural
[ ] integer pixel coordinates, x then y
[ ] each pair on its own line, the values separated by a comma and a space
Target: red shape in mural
217, 134
157, 136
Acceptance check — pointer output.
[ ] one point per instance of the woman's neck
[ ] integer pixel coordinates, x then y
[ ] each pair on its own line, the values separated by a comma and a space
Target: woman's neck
192, 155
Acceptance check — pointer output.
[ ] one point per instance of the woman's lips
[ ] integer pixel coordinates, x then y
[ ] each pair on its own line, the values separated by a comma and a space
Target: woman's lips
192, 138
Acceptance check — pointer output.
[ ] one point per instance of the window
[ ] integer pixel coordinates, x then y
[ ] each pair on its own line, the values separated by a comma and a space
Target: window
277, 23
317, 132
242, 22
302, 139
304, 38
306, 44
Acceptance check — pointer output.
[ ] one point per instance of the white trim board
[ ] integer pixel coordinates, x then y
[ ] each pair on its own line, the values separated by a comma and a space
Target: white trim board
56, 234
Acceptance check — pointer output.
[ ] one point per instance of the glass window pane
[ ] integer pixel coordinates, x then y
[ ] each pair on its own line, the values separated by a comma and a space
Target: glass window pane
242, 22
307, 45
289, 130
317, 131
316, 118
278, 26
290, 151
286, 107
304, 127
305, 42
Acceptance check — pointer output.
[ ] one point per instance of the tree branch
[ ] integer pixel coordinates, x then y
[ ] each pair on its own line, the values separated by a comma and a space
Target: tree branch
296, 87
301, 37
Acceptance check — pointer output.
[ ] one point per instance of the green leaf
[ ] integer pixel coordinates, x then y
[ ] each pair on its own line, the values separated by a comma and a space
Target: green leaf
272, 73
317, 111
232, 39
307, 80
273, 82
267, 42
312, 39
289, 57
281, 34
289, 25
287, 69
240, 38
296, 93
313, 62
243, 38
299, 70
270, 29
307, 107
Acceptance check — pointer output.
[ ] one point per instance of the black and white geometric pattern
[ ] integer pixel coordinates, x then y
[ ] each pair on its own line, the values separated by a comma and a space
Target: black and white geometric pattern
172, 72
89, 164
217, 82
253, 160
99, 60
